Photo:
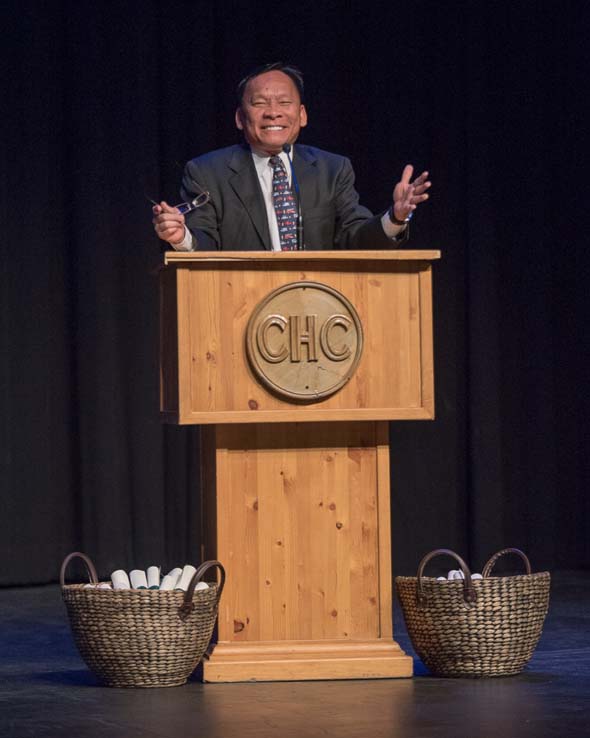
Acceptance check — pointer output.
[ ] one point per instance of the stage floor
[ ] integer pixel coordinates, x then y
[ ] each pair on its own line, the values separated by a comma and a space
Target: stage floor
46, 691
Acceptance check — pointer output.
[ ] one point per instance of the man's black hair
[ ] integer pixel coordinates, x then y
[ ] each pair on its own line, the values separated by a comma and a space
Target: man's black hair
288, 69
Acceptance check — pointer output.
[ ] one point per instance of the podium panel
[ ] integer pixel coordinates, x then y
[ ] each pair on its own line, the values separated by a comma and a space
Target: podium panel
300, 514
208, 300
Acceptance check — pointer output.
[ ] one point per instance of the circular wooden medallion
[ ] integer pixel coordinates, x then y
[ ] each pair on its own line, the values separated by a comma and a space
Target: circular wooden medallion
304, 341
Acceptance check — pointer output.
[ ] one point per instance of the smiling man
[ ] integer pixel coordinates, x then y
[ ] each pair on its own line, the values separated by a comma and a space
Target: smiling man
254, 199
271, 111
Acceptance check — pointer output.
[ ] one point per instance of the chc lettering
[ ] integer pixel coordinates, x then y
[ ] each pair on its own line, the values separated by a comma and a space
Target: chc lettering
279, 338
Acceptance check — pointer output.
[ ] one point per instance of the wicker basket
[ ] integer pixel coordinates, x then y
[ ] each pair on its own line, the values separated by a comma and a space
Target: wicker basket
475, 628
141, 638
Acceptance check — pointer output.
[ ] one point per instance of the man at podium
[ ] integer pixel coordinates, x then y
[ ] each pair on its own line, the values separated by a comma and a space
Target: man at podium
270, 193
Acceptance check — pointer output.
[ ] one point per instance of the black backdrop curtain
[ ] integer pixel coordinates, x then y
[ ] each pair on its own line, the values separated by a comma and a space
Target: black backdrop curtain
103, 101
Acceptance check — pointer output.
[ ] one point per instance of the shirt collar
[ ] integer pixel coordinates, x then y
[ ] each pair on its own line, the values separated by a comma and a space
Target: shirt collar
261, 160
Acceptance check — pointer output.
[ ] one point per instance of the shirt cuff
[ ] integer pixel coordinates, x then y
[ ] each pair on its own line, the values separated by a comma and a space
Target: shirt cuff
187, 242
392, 231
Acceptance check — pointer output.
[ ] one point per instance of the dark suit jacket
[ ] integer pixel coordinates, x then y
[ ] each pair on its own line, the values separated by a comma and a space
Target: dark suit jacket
235, 218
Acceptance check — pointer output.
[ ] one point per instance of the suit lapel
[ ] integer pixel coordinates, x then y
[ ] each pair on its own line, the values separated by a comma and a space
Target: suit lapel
304, 163
244, 182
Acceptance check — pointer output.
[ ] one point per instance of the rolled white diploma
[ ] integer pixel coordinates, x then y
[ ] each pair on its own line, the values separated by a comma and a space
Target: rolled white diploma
100, 585
458, 574
153, 577
188, 573
138, 579
169, 581
120, 580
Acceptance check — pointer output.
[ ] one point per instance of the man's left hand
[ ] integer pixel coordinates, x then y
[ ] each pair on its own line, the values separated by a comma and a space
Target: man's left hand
407, 194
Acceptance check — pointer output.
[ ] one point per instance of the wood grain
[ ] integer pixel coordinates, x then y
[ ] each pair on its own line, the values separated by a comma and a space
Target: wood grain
267, 257
301, 518
298, 510
306, 661
215, 298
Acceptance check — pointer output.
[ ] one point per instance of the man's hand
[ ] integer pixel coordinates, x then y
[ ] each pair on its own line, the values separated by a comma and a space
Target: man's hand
407, 195
168, 223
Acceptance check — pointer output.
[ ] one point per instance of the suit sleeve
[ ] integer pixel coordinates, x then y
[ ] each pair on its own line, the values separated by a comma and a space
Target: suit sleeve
356, 226
202, 222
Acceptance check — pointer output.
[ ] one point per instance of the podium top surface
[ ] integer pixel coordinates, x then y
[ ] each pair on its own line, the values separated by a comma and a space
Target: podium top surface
182, 257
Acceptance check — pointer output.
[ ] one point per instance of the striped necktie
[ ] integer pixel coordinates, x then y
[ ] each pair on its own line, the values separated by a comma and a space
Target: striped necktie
284, 204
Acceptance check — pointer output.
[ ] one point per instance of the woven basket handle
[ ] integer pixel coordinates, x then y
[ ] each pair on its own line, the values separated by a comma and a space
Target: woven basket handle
92, 576
469, 594
487, 570
188, 605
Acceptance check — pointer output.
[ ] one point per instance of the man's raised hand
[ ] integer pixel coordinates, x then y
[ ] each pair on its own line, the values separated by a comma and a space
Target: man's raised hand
407, 194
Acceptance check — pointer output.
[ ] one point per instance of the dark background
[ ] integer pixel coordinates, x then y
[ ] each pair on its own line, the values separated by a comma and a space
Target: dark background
102, 101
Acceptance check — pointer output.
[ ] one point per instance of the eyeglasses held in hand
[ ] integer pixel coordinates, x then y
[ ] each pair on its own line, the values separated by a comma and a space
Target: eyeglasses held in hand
186, 207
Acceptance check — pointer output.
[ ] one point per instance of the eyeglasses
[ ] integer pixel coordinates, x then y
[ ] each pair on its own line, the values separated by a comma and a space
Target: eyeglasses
198, 202
186, 207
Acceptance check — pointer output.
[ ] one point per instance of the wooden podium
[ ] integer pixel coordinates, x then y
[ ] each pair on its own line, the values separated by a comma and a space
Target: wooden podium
296, 487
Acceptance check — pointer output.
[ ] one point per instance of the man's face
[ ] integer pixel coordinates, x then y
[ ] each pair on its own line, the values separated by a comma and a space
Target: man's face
271, 114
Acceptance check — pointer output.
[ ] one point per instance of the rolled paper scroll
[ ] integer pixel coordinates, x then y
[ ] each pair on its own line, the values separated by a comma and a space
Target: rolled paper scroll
120, 580
169, 581
138, 579
153, 577
188, 573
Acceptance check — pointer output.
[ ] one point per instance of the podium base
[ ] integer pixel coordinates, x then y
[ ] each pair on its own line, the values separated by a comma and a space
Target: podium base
273, 661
